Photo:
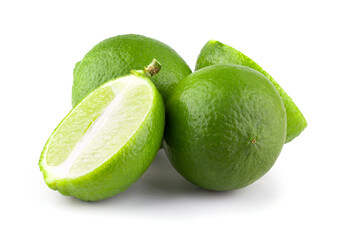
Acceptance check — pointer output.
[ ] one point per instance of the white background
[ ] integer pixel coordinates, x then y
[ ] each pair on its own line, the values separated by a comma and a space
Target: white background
310, 47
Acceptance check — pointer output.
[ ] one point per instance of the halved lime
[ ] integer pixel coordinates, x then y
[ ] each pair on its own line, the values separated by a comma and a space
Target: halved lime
107, 141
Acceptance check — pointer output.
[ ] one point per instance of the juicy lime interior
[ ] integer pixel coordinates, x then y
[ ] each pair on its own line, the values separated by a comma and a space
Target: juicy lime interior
97, 128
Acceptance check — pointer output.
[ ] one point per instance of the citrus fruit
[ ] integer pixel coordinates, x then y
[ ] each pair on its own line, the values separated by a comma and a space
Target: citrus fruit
107, 141
117, 56
215, 52
225, 127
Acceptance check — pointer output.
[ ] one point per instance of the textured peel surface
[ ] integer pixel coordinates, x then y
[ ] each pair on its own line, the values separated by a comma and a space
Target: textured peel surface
117, 56
215, 52
225, 127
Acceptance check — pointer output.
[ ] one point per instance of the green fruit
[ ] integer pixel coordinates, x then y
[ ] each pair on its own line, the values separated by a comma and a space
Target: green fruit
117, 56
215, 52
225, 127
107, 141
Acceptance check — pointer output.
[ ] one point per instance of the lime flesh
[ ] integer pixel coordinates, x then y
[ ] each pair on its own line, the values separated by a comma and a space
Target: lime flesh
107, 141
215, 52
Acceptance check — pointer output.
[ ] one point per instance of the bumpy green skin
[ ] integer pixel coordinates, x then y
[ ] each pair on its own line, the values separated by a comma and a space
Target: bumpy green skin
118, 55
215, 52
225, 127
123, 168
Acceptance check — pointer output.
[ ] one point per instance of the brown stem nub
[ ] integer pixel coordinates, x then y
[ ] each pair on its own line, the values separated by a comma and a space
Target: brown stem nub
153, 68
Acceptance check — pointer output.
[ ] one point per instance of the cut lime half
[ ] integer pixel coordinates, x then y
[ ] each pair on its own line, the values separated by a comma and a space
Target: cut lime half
107, 141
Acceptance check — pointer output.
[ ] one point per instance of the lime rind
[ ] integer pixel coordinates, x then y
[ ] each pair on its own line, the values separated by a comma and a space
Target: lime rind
225, 128
117, 56
215, 52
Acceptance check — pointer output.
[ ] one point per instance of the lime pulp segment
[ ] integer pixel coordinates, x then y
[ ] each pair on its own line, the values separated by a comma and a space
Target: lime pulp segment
98, 128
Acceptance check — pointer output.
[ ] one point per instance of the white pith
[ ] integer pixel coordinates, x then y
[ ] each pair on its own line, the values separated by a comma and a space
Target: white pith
124, 114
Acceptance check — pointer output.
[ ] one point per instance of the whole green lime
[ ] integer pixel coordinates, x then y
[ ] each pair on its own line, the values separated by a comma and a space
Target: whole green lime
117, 56
225, 127
215, 52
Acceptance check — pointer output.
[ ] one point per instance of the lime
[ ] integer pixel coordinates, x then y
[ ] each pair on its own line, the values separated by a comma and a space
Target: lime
117, 56
107, 141
225, 127
215, 52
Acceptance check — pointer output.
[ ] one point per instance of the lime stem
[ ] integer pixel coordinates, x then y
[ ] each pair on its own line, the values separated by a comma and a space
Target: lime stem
153, 68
